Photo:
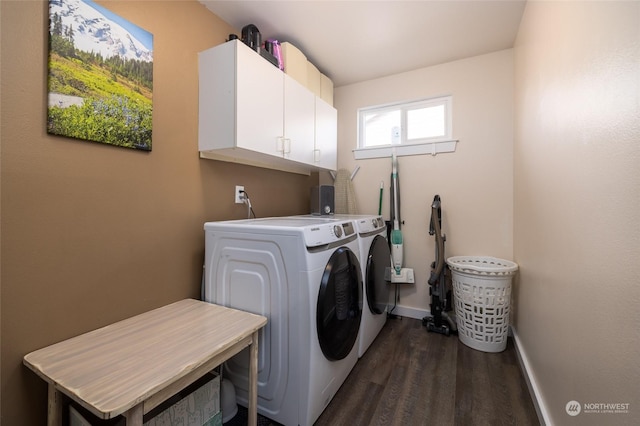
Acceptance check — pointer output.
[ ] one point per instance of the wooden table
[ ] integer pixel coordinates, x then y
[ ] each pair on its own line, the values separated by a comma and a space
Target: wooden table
132, 366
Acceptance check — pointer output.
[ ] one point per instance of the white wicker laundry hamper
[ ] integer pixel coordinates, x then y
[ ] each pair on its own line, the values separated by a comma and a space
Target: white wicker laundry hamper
482, 295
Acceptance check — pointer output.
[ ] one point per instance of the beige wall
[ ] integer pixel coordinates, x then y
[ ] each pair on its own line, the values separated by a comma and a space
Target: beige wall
577, 198
475, 182
91, 233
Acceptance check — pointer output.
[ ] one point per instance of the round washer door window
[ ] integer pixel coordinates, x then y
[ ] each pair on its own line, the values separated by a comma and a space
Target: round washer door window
377, 287
339, 304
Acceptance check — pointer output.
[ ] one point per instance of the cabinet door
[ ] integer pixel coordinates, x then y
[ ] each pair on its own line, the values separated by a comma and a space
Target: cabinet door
217, 100
326, 140
259, 92
299, 113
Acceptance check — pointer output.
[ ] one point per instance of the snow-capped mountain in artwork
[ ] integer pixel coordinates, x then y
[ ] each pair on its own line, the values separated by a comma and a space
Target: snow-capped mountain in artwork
94, 32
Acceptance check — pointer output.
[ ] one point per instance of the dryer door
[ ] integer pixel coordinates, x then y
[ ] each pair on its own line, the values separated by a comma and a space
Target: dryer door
377, 287
339, 304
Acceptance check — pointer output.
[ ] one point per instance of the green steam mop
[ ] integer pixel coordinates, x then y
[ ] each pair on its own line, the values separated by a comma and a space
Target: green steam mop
398, 273
396, 233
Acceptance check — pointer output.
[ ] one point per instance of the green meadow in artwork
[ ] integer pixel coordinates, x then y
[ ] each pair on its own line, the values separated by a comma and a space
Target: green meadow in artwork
100, 80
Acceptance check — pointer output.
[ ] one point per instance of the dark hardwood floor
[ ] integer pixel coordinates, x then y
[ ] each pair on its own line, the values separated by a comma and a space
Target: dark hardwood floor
412, 377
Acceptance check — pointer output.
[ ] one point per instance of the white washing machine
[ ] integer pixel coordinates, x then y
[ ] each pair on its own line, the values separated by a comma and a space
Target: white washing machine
375, 257
304, 275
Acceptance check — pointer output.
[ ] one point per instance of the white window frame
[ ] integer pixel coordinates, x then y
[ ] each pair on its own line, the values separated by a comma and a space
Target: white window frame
403, 146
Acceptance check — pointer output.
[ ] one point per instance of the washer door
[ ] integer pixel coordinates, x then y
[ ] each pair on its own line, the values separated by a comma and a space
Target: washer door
339, 304
377, 287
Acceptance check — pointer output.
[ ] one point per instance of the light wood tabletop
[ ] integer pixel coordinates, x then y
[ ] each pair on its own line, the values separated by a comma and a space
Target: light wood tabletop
132, 366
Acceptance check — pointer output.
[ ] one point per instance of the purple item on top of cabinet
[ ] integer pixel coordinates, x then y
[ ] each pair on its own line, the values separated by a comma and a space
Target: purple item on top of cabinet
276, 51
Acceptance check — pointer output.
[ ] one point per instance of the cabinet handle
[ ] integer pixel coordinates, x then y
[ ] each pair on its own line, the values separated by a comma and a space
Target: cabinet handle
316, 155
280, 144
287, 146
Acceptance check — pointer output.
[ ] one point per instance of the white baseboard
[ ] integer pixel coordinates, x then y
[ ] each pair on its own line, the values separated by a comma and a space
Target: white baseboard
534, 390
406, 311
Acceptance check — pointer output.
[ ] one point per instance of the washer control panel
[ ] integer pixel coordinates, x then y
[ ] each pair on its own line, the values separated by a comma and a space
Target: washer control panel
328, 233
372, 224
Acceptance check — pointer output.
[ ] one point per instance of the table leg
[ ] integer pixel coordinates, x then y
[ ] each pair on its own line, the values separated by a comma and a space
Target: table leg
134, 415
54, 409
253, 381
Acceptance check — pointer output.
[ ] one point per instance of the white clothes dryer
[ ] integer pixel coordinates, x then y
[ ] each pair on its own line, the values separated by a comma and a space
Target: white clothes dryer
375, 257
304, 275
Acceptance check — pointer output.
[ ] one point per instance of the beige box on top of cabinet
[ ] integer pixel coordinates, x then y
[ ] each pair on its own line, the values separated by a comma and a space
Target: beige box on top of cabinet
326, 89
251, 112
313, 79
295, 62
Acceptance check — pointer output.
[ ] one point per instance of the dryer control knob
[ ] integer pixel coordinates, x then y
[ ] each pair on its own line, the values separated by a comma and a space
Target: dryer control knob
337, 229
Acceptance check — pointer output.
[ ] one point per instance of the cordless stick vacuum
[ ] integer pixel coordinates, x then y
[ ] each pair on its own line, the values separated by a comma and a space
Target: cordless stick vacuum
439, 280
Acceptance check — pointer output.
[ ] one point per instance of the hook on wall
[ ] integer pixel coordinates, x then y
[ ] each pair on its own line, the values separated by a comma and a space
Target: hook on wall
353, 173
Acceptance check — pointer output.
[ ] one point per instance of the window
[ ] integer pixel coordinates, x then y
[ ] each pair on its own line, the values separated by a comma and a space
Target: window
420, 127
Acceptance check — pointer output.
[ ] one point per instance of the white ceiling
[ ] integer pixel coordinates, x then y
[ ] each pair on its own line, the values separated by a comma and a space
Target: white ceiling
352, 41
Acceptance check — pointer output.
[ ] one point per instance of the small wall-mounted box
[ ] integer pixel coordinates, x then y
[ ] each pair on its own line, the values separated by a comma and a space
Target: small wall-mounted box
323, 200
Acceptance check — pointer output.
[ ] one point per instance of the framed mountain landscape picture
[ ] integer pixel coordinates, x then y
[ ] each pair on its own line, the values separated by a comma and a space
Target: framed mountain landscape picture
100, 80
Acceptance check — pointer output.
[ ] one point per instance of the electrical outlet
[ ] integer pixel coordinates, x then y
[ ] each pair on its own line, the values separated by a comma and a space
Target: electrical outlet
239, 198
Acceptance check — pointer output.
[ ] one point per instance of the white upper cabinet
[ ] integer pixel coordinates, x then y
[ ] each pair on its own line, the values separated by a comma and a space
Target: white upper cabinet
258, 105
326, 136
251, 112
299, 121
